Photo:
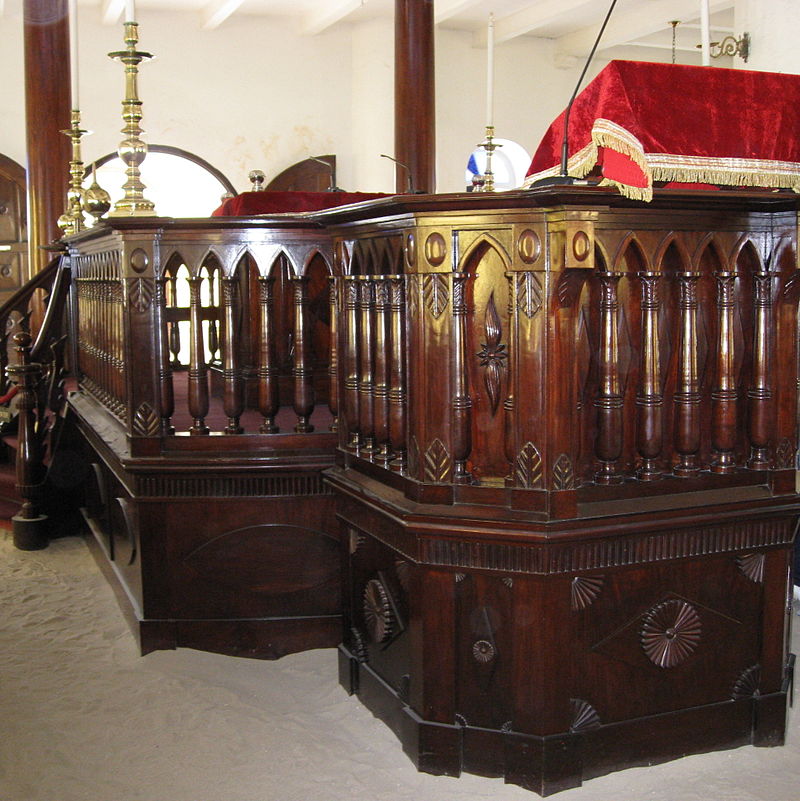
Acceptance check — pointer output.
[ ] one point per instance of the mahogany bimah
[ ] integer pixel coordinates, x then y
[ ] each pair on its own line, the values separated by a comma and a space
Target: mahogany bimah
528, 456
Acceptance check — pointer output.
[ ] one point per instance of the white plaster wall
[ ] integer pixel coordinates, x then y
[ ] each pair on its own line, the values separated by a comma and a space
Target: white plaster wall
12, 88
774, 28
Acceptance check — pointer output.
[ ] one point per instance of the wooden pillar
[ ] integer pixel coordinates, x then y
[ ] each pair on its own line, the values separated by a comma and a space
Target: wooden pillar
47, 108
414, 100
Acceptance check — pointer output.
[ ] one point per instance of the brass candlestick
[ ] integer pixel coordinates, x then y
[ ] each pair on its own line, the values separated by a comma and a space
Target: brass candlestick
71, 221
489, 146
132, 150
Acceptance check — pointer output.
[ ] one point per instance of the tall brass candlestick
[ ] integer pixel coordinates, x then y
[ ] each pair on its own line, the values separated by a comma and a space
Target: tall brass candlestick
132, 150
489, 146
71, 221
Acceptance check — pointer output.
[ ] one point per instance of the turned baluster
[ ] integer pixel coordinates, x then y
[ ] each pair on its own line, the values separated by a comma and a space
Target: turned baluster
351, 399
333, 360
366, 378
198, 376
649, 397
723, 396
302, 372
760, 429
608, 445
462, 403
167, 391
174, 326
233, 389
29, 524
213, 335
397, 382
687, 392
382, 361
268, 400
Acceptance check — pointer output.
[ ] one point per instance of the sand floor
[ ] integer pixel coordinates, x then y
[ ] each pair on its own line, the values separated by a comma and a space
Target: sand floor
84, 718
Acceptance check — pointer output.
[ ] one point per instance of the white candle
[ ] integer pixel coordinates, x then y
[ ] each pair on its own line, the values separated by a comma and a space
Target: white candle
705, 35
130, 11
73, 53
490, 72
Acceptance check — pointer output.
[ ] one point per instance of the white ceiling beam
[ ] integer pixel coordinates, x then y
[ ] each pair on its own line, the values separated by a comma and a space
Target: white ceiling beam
217, 11
331, 12
111, 11
444, 9
528, 20
638, 21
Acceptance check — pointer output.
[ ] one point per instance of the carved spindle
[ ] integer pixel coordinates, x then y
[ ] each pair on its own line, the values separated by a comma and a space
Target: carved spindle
213, 334
366, 374
649, 398
723, 397
333, 360
687, 392
268, 399
198, 376
302, 372
462, 403
167, 391
351, 399
759, 396
382, 360
174, 326
29, 524
233, 388
397, 382
608, 445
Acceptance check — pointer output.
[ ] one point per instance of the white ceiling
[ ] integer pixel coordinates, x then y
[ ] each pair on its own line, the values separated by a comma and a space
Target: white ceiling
638, 28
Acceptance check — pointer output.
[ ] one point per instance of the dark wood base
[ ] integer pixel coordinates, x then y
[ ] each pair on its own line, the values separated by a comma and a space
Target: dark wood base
548, 765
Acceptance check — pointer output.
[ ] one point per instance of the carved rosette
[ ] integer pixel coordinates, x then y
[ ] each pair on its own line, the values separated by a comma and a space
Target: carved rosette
493, 354
378, 614
584, 590
752, 565
584, 716
670, 633
483, 651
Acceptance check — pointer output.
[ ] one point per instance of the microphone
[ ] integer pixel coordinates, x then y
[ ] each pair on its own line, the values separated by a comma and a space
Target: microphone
406, 168
564, 179
332, 168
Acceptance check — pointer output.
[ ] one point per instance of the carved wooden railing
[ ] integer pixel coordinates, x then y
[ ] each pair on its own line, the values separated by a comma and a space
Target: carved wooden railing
33, 365
542, 362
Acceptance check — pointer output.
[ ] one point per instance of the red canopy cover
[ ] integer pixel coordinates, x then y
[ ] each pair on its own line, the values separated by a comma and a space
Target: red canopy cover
642, 122
249, 203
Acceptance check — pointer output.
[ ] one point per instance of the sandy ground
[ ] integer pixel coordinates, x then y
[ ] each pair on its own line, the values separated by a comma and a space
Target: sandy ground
84, 718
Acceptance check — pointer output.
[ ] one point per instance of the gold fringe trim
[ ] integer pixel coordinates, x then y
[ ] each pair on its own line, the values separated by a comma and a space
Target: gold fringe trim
667, 167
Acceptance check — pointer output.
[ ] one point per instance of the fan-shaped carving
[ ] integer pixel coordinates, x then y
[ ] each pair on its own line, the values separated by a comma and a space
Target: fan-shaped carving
483, 651
746, 686
437, 462
584, 716
584, 590
752, 565
670, 633
563, 473
378, 613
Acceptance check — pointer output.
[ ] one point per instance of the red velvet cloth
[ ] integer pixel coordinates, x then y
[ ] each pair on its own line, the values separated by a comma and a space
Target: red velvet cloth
640, 122
249, 203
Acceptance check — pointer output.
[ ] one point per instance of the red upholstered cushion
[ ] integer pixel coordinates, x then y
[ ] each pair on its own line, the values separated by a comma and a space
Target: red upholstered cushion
249, 203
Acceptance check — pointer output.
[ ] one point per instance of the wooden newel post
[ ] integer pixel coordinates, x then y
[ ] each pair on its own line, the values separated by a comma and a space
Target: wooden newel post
30, 526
